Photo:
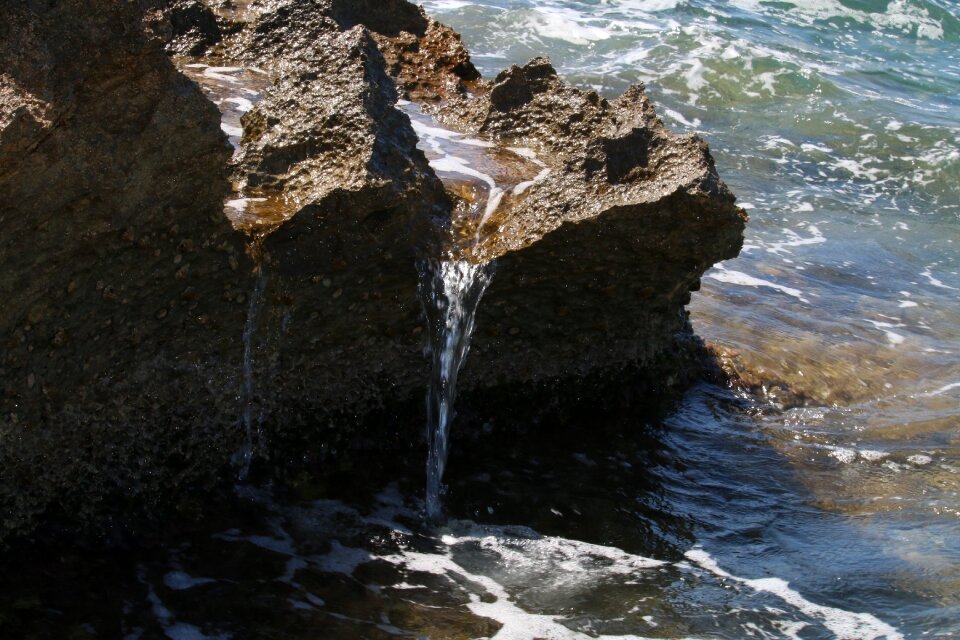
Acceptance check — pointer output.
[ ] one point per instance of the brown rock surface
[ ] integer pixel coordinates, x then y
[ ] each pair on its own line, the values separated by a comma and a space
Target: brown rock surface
595, 261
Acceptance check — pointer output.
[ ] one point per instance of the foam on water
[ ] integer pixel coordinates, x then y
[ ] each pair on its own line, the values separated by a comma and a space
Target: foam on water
517, 576
844, 625
565, 24
944, 389
721, 273
454, 155
179, 581
900, 15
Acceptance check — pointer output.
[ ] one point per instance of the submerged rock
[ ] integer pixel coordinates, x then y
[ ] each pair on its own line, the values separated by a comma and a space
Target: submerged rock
142, 352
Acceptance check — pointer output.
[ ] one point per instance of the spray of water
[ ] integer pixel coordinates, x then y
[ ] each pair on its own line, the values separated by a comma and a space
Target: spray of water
450, 292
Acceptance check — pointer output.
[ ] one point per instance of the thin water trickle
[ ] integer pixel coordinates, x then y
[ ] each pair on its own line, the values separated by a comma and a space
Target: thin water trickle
450, 291
245, 455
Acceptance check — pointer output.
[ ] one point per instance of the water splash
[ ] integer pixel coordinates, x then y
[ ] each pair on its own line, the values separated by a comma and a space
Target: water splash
245, 455
450, 292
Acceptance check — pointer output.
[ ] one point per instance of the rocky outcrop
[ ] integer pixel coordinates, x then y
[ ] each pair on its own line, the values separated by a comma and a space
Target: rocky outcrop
597, 260
328, 134
426, 58
143, 349
122, 282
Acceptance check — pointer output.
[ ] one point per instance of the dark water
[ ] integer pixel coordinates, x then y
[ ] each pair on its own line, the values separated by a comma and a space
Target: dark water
739, 516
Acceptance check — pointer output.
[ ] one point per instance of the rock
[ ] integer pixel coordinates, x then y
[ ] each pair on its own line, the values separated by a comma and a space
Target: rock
597, 259
141, 350
112, 165
194, 28
427, 59
431, 66
328, 134
595, 262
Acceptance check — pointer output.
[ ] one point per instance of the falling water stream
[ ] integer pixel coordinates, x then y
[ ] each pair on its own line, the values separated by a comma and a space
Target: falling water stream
245, 455
451, 288
450, 291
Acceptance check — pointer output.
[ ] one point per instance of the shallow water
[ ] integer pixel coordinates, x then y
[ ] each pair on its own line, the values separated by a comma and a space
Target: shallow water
838, 126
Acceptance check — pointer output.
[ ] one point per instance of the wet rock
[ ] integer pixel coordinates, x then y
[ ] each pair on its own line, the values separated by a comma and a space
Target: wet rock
111, 163
429, 67
426, 58
596, 260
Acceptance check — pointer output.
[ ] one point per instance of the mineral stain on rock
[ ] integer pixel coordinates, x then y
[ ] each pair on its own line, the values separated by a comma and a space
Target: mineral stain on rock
128, 258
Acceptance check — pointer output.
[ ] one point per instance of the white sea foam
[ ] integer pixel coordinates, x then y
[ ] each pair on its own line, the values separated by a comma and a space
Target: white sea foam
516, 552
453, 164
794, 239
900, 15
441, 6
523, 186
670, 113
222, 74
426, 131
934, 281
892, 337
646, 6
721, 274
172, 629
179, 581
943, 389
231, 130
564, 24
345, 560
240, 204
845, 625
243, 105
872, 455
844, 455
494, 565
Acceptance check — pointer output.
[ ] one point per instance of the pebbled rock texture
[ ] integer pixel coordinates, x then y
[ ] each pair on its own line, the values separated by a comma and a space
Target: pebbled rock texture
596, 261
122, 281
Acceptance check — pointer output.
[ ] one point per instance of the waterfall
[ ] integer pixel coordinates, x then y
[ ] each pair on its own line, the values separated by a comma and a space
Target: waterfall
450, 292
245, 455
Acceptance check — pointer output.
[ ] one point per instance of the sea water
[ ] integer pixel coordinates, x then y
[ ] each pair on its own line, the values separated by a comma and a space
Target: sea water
837, 124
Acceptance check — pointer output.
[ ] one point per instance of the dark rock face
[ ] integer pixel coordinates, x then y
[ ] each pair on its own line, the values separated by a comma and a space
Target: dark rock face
194, 28
140, 345
119, 274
